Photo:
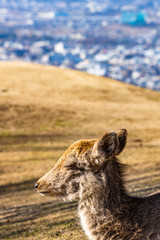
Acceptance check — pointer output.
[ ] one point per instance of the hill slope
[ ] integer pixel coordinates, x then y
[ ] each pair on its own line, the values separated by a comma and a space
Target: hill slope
72, 100
42, 110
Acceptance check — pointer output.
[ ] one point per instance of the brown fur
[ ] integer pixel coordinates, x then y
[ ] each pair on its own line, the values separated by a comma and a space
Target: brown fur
90, 173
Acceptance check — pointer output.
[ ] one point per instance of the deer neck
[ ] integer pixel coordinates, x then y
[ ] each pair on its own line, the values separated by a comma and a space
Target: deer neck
102, 198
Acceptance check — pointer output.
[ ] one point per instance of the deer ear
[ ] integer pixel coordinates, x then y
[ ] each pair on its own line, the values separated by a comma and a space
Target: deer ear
122, 139
104, 148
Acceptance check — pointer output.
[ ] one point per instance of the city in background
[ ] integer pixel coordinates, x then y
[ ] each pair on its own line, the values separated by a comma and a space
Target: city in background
110, 38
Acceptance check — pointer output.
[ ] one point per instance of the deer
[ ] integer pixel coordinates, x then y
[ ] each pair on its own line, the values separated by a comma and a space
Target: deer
89, 172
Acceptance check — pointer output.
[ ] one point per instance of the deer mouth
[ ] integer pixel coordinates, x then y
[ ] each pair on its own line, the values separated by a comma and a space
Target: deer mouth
52, 194
49, 193
44, 193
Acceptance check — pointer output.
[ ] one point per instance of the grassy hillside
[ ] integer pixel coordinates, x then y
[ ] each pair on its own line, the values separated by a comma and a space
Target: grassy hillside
44, 109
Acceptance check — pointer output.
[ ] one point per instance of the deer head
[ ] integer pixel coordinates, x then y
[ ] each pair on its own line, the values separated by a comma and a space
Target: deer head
83, 158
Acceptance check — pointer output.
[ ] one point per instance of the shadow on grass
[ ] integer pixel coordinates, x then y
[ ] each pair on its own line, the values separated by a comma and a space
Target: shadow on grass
17, 143
31, 138
32, 148
24, 138
144, 178
17, 187
20, 219
23, 213
49, 231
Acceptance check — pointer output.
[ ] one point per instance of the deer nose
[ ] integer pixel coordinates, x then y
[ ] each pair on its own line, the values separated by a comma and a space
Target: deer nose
36, 186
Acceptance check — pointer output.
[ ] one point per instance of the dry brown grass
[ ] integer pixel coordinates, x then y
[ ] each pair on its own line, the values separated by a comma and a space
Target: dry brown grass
42, 110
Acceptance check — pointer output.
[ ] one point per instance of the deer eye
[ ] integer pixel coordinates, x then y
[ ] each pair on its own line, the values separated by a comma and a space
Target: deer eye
71, 166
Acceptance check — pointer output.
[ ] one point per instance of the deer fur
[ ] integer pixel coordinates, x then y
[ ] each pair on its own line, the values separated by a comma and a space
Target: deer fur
90, 173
